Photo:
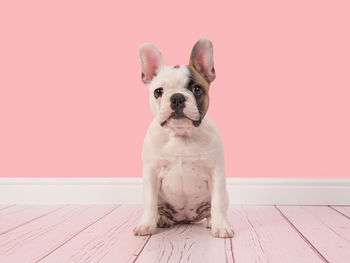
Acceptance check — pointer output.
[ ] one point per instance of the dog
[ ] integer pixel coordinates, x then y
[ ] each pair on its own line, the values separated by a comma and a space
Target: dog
184, 177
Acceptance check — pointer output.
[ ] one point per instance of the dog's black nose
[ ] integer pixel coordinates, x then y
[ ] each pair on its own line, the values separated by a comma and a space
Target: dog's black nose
177, 101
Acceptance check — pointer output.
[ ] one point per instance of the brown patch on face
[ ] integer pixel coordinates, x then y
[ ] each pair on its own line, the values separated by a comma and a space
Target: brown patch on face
203, 101
176, 66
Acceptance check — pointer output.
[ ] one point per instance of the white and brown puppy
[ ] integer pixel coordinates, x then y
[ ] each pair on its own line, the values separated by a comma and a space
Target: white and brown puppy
183, 157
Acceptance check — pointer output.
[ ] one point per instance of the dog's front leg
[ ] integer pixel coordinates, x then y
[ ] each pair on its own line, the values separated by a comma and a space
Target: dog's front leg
219, 205
148, 221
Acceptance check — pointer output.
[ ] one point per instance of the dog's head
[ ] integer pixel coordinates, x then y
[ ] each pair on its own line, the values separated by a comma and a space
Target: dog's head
179, 95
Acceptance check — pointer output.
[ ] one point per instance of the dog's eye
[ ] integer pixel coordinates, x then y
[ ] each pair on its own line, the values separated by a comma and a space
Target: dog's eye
158, 93
197, 90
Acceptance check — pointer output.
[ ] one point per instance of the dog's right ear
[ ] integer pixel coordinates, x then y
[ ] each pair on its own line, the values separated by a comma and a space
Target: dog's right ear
202, 59
151, 60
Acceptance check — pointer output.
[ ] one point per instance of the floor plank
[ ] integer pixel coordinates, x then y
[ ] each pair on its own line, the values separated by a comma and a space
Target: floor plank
263, 235
19, 215
344, 210
40, 237
185, 243
109, 240
325, 228
2, 207
103, 233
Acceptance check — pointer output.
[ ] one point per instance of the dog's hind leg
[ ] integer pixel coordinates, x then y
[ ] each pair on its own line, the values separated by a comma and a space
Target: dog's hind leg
164, 222
208, 222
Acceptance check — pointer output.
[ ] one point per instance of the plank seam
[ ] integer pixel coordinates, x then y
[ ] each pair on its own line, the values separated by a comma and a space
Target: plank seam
339, 212
302, 236
233, 258
6, 207
139, 253
66, 241
31, 220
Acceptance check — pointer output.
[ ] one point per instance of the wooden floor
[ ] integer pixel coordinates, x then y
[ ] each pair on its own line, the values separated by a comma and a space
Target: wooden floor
103, 233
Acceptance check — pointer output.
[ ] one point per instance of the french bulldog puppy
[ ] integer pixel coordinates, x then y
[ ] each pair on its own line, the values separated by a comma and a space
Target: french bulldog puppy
183, 158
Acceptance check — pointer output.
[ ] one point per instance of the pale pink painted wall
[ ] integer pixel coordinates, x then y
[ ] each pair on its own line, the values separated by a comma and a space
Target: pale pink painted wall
72, 103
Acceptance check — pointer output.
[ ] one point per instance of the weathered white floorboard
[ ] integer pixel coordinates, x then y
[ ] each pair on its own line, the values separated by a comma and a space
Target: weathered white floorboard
344, 210
16, 216
263, 235
31, 242
2, 207
327, 230
185, 243
103, 233
109, 240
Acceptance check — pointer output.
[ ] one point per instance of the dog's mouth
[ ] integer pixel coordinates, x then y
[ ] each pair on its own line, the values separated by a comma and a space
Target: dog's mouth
180, 115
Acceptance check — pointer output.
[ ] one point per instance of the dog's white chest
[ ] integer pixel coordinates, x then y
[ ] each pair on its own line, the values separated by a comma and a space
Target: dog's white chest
184, 191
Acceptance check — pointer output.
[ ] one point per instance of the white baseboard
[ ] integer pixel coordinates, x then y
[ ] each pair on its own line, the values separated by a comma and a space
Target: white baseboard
247, 191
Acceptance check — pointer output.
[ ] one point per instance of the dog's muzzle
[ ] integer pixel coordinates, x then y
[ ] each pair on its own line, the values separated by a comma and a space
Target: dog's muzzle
177, 104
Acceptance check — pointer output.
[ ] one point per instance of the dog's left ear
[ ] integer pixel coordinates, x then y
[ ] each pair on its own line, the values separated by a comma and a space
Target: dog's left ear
151, 60
202, 59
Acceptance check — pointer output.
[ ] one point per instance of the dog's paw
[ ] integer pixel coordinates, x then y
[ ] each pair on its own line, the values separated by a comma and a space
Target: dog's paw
222, 230
164, 222
144, 229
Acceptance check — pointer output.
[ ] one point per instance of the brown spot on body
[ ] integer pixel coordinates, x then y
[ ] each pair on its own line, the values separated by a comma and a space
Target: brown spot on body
204, 207
166, 213
202, 211
164, 222
167, 210
171, 208
176, 66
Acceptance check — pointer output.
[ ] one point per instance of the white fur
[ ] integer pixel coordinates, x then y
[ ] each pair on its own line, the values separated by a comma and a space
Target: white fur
182, 164
172, 80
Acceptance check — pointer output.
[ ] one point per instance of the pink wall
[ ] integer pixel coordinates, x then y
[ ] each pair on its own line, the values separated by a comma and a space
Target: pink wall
72, 103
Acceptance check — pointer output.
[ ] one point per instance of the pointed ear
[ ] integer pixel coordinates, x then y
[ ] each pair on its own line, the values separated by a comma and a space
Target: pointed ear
151, 60
202, 59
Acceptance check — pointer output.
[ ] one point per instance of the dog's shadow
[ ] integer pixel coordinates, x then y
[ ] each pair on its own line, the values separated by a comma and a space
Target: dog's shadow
184, 229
